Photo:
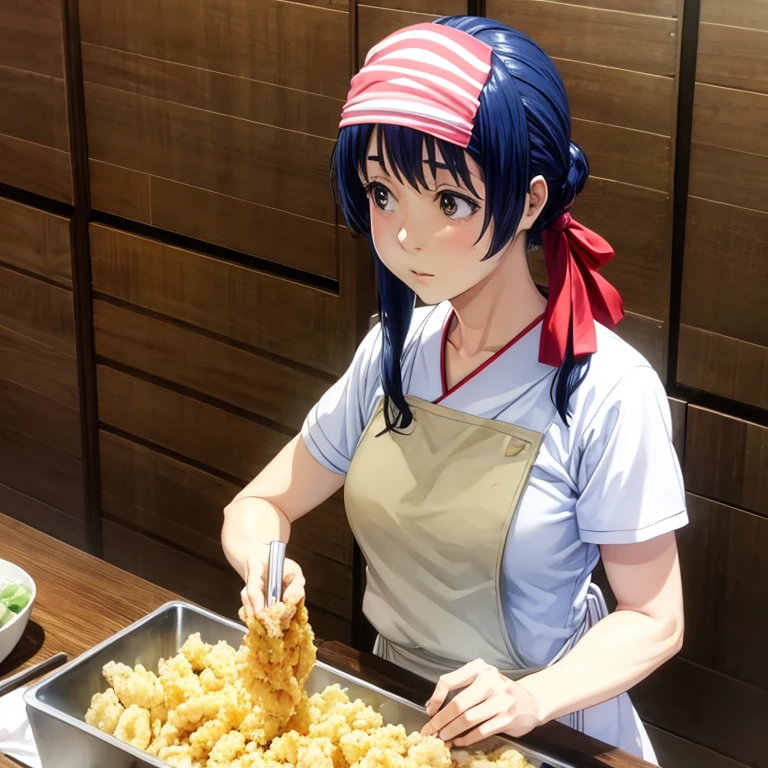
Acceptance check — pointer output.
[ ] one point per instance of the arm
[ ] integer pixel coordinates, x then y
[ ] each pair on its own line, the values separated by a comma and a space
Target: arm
617, 653
291, 485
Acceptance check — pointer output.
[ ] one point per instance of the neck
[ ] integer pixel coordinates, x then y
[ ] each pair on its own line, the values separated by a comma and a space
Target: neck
498, 308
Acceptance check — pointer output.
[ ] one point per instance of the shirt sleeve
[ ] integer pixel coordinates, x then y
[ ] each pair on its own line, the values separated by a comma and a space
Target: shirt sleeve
629, 479
333, 427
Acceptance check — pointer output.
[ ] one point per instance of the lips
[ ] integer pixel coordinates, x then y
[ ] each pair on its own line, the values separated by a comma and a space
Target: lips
421, 274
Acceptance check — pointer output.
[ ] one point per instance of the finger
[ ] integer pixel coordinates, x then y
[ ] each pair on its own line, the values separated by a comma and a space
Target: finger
256, 587
247, 605
498, 724
477, 716
478, 692
461, 678
293, 588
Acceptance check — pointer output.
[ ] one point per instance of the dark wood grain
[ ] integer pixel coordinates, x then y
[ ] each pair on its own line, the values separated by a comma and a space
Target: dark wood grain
266, 165
263, 385
725, 580
727, 176
269, 233
120, 191
729, 301
733, 57
610, 38
671, 8
213, 91
211, 436
39, 368
439, 7
723, 366
635, 222
374, 24
31, 36
42, 517
679, 411
35, 168
726, 459
731, 119
35, 241
289, 44
752, 14
633, 157
648, 337
274, 314
674, 752
181, 503
37, 309
46, 474
619, 97
33, 108
708, 708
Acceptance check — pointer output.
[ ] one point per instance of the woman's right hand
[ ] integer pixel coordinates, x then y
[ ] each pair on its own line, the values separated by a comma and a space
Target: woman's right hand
254, 592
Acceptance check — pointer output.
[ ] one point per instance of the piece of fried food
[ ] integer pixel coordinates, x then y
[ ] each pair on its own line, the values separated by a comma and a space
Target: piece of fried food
134, 686
105, 711
133, 727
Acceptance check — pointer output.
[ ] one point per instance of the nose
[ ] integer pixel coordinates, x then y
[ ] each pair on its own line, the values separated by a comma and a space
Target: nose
408, 240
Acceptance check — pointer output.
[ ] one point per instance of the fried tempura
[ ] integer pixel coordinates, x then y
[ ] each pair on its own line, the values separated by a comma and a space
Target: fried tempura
211, 706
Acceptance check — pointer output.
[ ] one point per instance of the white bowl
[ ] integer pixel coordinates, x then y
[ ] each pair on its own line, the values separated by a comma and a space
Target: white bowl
11, 633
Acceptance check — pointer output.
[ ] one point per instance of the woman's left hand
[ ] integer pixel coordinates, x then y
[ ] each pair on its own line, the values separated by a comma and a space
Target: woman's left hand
490, 704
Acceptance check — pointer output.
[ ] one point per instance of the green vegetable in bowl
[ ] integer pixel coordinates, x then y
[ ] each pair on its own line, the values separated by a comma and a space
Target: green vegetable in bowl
13, 600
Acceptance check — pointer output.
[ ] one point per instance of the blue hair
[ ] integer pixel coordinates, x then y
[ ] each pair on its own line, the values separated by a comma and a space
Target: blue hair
522, 129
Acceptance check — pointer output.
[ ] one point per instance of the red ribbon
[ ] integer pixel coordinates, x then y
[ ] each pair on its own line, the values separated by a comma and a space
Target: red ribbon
578, 295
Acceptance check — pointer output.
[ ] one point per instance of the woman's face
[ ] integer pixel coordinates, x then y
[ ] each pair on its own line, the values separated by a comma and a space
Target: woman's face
428, 238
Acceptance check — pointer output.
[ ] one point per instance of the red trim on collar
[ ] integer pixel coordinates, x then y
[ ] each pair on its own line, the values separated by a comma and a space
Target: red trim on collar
482, 366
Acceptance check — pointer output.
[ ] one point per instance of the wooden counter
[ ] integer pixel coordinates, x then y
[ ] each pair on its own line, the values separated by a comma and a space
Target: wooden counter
82, 600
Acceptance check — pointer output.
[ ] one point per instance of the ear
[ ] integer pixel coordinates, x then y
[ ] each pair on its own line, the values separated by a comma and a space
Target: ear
535, 200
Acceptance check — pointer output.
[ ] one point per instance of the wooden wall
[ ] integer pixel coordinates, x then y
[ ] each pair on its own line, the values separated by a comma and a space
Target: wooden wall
223, 295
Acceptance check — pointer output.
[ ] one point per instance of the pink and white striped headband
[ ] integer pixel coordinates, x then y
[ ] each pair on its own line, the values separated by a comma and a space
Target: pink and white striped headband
427, 76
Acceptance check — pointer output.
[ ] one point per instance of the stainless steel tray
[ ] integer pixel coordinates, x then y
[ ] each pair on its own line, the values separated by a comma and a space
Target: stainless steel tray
56, 706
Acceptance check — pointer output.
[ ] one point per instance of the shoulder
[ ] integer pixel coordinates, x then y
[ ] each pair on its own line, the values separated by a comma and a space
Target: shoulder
619, 379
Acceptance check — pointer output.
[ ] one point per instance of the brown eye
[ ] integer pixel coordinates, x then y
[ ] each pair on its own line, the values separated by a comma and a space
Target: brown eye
381, 197
456, 207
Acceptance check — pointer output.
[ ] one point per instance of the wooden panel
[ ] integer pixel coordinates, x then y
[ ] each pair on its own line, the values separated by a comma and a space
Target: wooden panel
736, 178
261, 163
671, 8
733, 57
708, 708
724, 117
38, 169
35, 241
289, 44
674, 752
728, 301
120, 191
635, 223
37, 416
39, 368
679, 412
265, 232
33, 108
439, 7
216, 588
625, 40
211, 436
752, 14
640, 101
723, 366
180, 503
648, 337
42, 517
725, 581
37, 309
374, 24
277, 315
41, 472
262, 385
725, 459
326, 625
634, 157
31, 36
212, 91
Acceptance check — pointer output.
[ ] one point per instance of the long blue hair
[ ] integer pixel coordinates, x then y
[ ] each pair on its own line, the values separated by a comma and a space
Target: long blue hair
522, 129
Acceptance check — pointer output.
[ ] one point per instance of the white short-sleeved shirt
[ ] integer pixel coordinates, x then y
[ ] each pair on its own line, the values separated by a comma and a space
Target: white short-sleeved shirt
610, 477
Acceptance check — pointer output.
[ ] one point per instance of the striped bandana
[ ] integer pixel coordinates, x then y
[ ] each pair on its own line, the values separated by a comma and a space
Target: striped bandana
427, 76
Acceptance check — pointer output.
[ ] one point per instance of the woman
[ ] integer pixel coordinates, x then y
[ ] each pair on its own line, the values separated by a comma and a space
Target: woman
494, 445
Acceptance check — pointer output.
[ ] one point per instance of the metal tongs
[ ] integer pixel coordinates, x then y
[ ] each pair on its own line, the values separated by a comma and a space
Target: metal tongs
275, 572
